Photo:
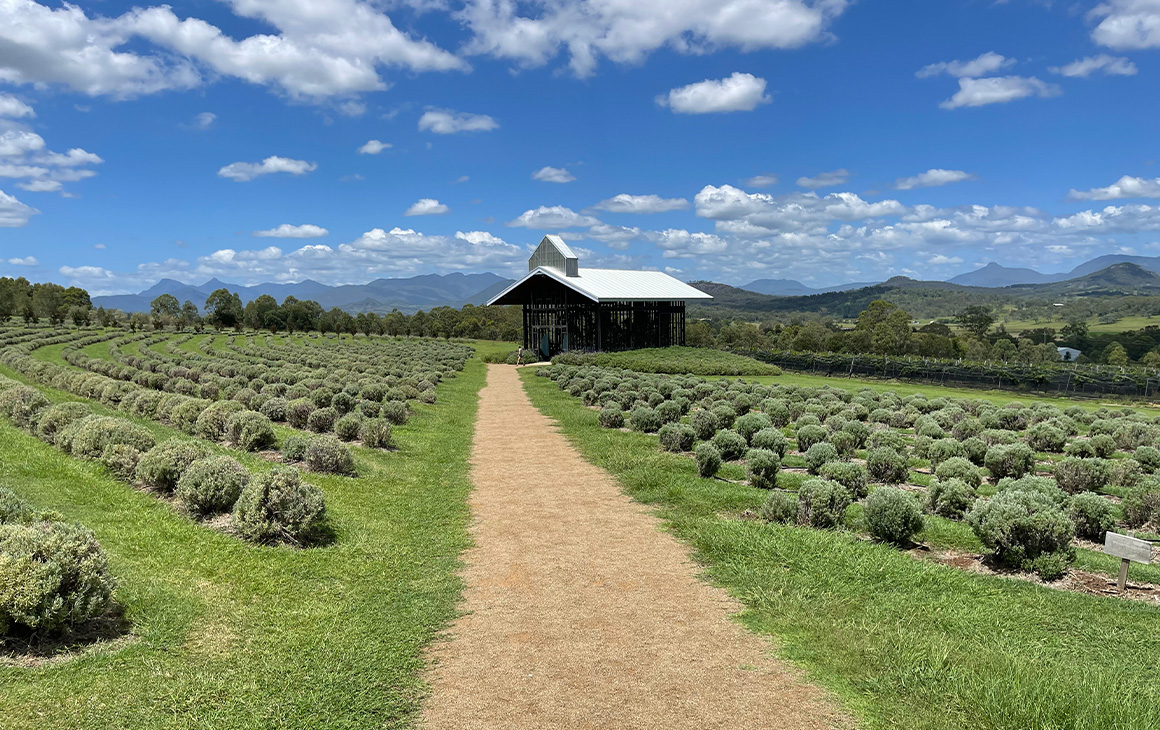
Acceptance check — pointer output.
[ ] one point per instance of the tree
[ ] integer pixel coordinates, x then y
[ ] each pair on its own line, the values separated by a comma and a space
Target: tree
976, 319
189, 315
48, 300
223, 309
1115, 354
699, 334
892, 334
1075, 333
257, 311
80, 316
138, 321
165, 305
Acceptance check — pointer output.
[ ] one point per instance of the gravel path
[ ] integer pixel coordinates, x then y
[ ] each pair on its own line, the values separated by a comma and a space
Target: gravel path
582, 613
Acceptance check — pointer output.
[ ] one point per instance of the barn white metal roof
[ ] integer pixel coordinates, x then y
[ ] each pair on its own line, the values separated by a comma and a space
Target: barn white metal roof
616, 285
560, 245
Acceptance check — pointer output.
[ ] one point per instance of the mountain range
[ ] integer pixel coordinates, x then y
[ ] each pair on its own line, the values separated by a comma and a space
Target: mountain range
381, 295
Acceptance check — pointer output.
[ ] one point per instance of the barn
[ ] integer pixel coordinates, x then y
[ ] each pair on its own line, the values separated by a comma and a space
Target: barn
567, 307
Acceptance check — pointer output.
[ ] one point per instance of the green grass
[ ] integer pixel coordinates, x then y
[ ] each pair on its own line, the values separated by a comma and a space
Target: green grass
901, 642
1124, 324
230, 635
680, 360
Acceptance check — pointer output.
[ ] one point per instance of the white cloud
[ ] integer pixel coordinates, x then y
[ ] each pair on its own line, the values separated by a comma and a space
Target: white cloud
427, 206
1125, 187
625, 203
552, 217
616, 237
13, 108
741, 92
679, 243
16, 141
13, 213
461, 179
1113, 219
941, 260
754, 215
100, 246
1127, 24
373, 147
933, 177
477, 238
761, 181
41, 186
987, 63
553, 174
290, 231
246, 171
26, 261
1108, 65
446, 121
533, 33
998, 90
204, 121
824, 179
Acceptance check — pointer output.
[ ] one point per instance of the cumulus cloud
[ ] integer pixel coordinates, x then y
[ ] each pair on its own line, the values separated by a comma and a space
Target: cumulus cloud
246, 171
553, 174
998, 90
204, 121
1103, 63
552, 217
26, 261
427, 206
615, 237
761, 181
625, 203
987, 63
446, 121
824, 179
933, 177
373, 147
533, 33
14, 108
1126, 187
13, 213
290, 231
741, 92
1127, 24
24, 157
942, 260
682, 244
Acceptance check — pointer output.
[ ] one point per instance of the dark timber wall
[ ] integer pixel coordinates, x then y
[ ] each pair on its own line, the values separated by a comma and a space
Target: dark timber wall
557, 318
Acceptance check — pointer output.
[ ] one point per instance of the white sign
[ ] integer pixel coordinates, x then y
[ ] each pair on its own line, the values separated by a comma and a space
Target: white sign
1128, 548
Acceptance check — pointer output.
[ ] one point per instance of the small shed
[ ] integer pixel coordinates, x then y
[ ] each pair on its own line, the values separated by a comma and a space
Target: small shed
569, 308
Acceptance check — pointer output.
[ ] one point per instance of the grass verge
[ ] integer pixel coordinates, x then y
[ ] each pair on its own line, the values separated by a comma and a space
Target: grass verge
679, 360
903, 643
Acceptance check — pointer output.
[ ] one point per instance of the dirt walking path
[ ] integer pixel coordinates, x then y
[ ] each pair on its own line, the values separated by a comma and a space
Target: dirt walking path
582, 613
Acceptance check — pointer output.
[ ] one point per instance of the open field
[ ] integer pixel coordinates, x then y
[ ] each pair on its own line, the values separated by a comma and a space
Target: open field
1124, 324
906, 643
227, 634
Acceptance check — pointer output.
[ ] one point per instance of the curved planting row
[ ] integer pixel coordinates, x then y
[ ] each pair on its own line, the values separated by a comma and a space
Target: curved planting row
270, 507
1046, 467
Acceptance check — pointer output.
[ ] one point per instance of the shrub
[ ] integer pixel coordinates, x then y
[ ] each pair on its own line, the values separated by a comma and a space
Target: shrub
780, 507
1104, 445
851, 476
959, 468
822, 503
328, 455
14, 510
1092, 515
750, 424
887, 466
277, 506
95, 433
1148, 456
1045, 437
976, 450
212, 485
708, 460
1141, 506
762, 467
1080, 448
396, 412
889, 439
725, 414
343, 402
184, 415
251, 431
1009, 460
54, 418
771, 439
1019, 527
1075, 475
845, 443
668, 412
819, 454
275, 409
213, 423
644, 419
163, 465
121, 460
347, 427
944, 449
611, 416
729, 444
375, 433
677, 437
1124, 472
22, 405
807, 436
1134, 434
1041, 485
53, 575
298, 412
294, 448
322, 420
893, 515
704, 422
950, 498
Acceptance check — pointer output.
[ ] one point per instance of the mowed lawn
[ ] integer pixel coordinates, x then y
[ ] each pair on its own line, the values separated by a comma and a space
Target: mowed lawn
229, 635
903, 643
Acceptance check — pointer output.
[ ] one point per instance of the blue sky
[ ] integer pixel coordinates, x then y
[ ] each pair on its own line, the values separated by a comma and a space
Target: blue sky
343, 140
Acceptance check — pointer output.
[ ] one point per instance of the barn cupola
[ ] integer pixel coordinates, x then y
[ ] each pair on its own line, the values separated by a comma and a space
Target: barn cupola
553, 253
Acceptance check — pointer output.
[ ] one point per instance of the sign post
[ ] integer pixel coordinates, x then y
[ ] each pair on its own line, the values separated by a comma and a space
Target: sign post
1129, 550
